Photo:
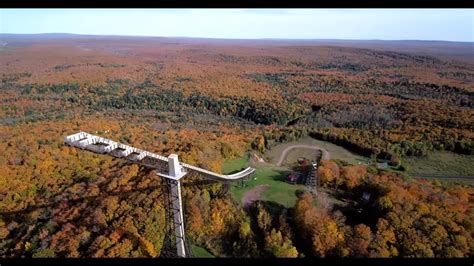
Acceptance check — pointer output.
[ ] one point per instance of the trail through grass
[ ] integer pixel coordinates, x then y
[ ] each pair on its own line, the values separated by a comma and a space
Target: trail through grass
279, 190
335, 151
441, 163
282, 192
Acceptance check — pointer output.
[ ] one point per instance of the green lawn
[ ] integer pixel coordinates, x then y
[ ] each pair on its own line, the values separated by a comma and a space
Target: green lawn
279, 190
236, 165
200, 252
441, 163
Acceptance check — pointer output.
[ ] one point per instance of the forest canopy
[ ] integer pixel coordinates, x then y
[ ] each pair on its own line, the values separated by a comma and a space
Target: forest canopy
210, 103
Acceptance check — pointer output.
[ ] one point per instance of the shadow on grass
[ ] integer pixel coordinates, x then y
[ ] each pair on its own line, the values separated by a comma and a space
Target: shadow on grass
272, 207
235, 171
281, 176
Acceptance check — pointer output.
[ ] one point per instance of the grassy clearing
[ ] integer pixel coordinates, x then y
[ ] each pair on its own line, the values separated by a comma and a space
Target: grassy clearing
336, 152
279, 191
441, 163
236, 165
293, 155
200, 252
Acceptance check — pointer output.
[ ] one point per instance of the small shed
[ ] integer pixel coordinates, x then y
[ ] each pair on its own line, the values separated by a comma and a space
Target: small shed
383, 165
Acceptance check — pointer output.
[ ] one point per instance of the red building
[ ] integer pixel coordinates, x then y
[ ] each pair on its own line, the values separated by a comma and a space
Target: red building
293, 177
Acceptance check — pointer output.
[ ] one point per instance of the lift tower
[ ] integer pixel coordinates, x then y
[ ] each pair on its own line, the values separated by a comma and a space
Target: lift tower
169, 168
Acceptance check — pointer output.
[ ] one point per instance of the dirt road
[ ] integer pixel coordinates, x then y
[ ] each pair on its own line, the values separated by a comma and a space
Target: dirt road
253, 195
325, 153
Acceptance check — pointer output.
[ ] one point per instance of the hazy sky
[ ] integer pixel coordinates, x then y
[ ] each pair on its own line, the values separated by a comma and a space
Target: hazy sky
388, 24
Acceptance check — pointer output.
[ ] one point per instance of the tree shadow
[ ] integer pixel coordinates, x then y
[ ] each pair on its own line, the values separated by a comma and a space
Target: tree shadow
273, 208
361, 206
236, 171
281, 175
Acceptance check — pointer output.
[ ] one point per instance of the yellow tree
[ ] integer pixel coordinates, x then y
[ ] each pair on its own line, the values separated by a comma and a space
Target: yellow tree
328, 173
278, 246
353, 175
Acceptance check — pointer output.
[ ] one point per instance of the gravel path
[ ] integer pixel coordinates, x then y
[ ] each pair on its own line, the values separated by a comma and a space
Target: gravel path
325, 153
253, 195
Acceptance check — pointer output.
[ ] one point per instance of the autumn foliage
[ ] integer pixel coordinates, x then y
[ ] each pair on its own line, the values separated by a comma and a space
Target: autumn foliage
208, 102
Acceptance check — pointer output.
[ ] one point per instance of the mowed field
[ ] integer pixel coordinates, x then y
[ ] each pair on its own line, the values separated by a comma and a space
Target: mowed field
294, 154
335, 151
446, 167
441, 163
278, 191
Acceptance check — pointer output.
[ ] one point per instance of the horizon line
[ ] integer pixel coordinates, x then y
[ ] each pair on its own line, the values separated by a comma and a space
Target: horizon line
224, 38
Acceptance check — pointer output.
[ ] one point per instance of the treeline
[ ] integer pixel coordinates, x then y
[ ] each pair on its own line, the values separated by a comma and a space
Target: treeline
352, 124
295, 83
338, 65
165, 100
8, 81
244, 107
463, 76
121, 94
170, 100
110, 87
384, 216
368, 144
60, 68
361, 115
52, 88
410, 90
380, 215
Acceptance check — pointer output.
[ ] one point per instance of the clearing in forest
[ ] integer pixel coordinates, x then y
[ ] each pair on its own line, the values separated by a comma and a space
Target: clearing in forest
335, 151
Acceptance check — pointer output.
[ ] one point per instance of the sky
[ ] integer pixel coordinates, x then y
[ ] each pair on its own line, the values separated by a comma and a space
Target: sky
355, 24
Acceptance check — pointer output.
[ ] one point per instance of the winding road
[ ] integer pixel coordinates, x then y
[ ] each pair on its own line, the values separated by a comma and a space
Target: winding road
325, 153
256, 192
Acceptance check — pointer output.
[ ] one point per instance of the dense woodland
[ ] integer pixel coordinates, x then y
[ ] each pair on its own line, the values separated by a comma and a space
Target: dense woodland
210, 102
